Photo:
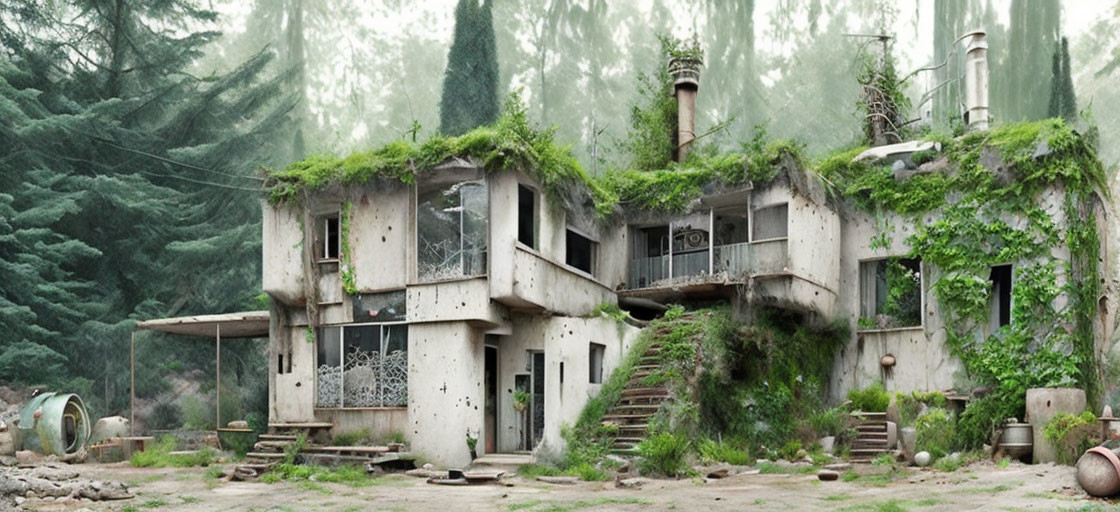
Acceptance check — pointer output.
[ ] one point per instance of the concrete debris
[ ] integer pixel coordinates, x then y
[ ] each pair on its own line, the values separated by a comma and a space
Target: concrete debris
55, 482
922, 459
839, 466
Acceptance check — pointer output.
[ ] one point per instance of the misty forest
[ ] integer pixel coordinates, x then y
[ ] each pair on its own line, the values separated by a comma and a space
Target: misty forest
140, 140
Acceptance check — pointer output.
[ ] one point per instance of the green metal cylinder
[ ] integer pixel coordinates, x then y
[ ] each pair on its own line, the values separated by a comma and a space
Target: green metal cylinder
54, 424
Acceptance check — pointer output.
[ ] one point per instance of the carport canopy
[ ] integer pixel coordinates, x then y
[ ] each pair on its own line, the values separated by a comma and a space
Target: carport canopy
246, 324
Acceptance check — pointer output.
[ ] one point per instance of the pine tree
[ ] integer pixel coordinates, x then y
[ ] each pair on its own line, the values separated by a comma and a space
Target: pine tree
470, 85
1063, 102
132, 191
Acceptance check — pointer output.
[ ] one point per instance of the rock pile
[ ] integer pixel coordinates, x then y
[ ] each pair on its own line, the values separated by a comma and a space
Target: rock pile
57, 483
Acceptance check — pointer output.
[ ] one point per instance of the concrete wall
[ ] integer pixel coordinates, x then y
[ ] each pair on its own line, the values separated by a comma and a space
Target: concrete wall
564, 340
282, 253
445, 391
554, 286
380, 422
447, 301
379, 236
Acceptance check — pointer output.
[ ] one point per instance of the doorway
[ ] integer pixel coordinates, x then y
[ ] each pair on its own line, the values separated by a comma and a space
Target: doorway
491, 408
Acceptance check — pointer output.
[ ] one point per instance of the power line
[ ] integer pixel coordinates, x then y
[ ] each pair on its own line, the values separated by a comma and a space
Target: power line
168, 160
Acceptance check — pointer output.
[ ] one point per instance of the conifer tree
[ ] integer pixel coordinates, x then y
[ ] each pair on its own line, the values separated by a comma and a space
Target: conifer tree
470, 84
1063, 102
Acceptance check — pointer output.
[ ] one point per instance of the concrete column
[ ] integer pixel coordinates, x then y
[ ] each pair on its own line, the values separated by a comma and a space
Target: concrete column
686, 118
976, 81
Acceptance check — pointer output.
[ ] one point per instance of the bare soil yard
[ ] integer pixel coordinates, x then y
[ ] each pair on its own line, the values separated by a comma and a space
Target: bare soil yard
982, 486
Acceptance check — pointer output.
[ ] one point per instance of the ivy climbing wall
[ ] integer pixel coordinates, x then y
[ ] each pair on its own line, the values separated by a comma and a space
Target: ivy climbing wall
1028, 195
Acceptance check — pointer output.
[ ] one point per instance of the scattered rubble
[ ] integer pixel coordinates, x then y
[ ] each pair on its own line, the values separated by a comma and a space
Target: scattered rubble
56, 482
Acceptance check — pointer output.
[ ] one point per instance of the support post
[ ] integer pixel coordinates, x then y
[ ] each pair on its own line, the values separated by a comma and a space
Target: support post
218, 388
132, 385
711, 242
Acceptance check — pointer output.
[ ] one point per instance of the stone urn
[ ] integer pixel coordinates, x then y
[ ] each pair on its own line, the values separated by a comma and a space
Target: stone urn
1017, 439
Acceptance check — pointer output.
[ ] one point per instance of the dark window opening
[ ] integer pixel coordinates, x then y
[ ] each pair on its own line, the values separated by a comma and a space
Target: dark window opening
527, 216
657, 241
330, 238
1001, 295
280, 363
561, 372
595, 362
580, 252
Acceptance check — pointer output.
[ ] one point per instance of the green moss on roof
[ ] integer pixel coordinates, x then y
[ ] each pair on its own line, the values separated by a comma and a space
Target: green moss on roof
511, 143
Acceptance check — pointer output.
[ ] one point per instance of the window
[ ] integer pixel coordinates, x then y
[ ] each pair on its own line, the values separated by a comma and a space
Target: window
1000, 301
380, 307
770, 223
451, 231
890, 292
329, 237
595, 362
527, 216
362, 366
581, 252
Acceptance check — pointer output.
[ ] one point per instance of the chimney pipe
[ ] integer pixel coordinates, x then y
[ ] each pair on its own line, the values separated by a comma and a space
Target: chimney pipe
976, 81
685, 70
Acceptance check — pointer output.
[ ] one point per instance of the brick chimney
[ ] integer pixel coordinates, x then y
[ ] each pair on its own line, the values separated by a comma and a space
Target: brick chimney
684, 68
976, 81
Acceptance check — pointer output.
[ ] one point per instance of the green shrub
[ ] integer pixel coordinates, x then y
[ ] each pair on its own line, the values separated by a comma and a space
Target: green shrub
980, 418
910, 405
870, 399
789, 450
829, 422
159, 455
937, 432
717, 451
351, 475
395, 436
663, 454
1071, 434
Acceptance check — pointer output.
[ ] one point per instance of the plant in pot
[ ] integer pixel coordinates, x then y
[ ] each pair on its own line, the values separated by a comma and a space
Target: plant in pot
472, 444
521, 399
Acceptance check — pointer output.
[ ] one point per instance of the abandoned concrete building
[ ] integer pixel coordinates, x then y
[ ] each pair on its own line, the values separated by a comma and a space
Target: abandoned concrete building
423, 307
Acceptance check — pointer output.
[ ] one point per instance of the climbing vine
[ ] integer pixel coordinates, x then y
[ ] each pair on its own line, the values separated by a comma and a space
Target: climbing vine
346, 267
989, 199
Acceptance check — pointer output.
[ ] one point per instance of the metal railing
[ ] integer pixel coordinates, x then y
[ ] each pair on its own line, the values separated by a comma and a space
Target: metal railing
727, 261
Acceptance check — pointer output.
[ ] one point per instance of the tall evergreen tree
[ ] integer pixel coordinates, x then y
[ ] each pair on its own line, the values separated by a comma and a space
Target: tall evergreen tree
1063, 102
139, 176
470, 85
1031, 36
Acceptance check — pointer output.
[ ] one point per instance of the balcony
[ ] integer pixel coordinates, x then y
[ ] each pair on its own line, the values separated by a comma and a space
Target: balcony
722, 264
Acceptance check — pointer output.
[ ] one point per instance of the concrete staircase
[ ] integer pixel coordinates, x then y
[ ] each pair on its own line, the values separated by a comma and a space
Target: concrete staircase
871, 437
638, 403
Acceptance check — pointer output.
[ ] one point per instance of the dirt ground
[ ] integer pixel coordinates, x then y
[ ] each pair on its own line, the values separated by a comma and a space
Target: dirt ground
978, 487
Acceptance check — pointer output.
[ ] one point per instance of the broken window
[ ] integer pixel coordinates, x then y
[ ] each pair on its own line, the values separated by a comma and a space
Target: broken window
690, 245
595, 353
651, 256
362, 366
890, 293
581, 252
732, 234
451, 231
1000, 301
527, 216
770, 223
380, 307
329, 237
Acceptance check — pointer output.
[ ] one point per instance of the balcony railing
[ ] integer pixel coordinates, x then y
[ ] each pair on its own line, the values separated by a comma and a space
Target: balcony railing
727, 262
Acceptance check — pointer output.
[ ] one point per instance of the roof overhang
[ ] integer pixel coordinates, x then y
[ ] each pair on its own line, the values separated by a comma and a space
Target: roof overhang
246, 324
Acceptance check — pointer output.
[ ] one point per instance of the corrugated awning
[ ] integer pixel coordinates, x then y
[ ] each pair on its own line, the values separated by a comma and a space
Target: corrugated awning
246, 324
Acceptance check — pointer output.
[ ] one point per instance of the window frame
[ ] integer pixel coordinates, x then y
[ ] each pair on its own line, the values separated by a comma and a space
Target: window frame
595, 371
593, 258
921, 294
342, 361
324, 242
752, 222
535, 222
